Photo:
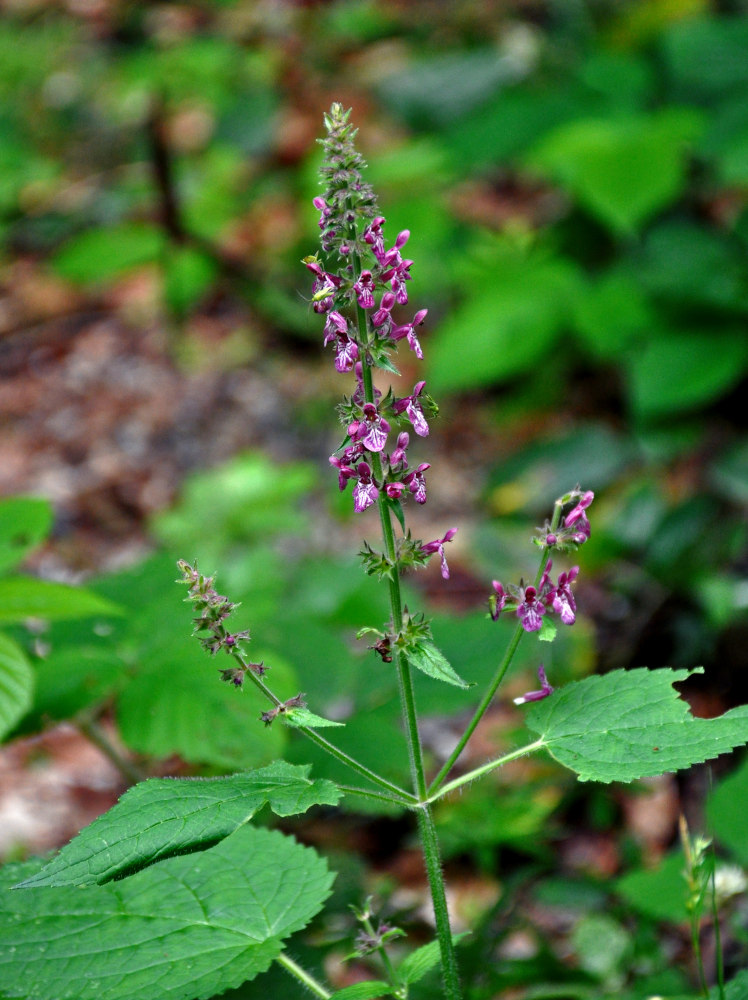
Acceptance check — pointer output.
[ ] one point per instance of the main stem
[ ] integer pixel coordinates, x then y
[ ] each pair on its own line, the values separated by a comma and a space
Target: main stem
426, 828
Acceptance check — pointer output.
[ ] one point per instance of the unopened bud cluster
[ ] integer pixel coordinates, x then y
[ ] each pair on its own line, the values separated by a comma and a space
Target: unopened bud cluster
212, 609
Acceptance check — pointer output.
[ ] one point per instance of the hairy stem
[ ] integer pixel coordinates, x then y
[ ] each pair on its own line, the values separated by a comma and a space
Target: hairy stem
302, 976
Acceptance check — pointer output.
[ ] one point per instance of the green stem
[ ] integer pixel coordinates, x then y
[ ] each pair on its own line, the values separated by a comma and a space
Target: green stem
384, 957
303, 976
426, 827
498, 676
328, 747
410, 803
430, 844
465, 779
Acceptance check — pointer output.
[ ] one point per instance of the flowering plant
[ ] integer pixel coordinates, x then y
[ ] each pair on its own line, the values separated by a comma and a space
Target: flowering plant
187, 897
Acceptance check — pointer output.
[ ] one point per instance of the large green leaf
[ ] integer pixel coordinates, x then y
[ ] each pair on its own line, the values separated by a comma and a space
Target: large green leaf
631, 724
16, 684
24, 523
186, 928
622, 171
24, 597
163, 817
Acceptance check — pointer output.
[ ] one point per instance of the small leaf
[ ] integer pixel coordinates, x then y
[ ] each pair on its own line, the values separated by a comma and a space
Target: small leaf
24, 597
548, 630
372, 989
631, 724
187, 929
16, 684
24, 523
426, 657
303, 717
423, 959
163, 817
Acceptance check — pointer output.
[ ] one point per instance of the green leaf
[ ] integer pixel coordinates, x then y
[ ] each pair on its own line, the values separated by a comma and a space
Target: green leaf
303, 717
725, 813
96, 256
24, 523
675, 372
622, 171
372, 989
189, 274
736, 989
426, 657
24, 597
422, 960
631, 724
164, 817
186, 928
660, 893
513, 313
16, 684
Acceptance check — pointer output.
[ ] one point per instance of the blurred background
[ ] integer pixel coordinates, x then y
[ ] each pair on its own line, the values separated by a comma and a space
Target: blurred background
575, 179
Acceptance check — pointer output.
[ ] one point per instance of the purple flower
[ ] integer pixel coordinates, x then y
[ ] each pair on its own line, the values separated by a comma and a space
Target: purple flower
321, 205
345, 472
530, 610
428, 548
374, 236
577, 521
497, 600
407, 330
545, 689
382, 316
372, 430
395, 490
346, 350
364, 289
416, 482
413, 411
399, 456
365, 491
563, 600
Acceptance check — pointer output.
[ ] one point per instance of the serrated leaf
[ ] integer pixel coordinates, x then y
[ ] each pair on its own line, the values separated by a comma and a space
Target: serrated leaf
372, 989
422, 960
16, 684
163, 817
631, 724
426, 657
303, 717
24, 523
186, 929
24, 597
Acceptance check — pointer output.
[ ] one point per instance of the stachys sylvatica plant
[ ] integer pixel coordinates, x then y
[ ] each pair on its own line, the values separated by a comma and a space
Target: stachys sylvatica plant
174, 893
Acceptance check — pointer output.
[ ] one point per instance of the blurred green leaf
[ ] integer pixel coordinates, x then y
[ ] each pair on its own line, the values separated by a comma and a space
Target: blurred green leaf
659, 893
510, 321
726, 815
189, 275
16, 684
678, 371
97, 256
602, 945
621, 171
689, 265
705, 57
25, 522
24, 597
